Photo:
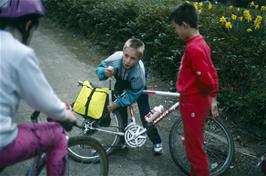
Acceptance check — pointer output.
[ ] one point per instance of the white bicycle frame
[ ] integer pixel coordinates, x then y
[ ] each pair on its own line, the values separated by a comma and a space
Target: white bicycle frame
132, 108
164, 113
135, 135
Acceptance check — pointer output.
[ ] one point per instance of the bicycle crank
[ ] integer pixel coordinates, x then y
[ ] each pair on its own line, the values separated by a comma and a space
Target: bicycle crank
135, 135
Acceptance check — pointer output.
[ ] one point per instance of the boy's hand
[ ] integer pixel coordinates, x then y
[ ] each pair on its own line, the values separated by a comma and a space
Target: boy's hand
214, 108
109, 71
111, 107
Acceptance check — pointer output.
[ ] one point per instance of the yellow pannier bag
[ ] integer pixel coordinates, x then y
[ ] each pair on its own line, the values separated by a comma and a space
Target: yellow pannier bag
91, 102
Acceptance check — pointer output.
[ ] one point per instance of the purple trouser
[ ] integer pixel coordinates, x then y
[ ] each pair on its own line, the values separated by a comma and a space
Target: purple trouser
34, 138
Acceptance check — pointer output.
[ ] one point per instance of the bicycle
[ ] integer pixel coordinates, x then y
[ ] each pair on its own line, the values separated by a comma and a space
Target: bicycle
80, 147
218, 144
262, 164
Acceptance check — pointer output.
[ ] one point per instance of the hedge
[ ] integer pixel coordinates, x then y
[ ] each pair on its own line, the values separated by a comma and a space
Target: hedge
238, 52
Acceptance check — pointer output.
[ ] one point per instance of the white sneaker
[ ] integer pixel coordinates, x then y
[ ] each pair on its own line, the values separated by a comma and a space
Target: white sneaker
158, 149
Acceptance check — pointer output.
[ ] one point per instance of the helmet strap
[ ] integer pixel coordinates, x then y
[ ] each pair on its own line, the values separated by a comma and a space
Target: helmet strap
25, 36
25, 32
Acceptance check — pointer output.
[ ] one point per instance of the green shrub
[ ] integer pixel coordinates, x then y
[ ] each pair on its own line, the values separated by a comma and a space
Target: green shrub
241, 61
238, 55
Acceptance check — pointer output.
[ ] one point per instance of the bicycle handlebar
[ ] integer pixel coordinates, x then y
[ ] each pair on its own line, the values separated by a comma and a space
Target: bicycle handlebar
172, 92
80, 83
65, 124
164, 93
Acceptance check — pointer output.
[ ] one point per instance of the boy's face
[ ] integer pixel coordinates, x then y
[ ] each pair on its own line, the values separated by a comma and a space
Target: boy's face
130, 57
181, 30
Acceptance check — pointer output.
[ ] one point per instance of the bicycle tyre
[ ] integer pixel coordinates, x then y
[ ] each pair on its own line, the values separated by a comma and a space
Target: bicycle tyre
218, 145
94, 150
109, 141
37, 168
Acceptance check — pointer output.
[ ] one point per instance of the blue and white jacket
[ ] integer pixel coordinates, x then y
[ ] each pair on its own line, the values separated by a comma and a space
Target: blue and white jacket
134, 77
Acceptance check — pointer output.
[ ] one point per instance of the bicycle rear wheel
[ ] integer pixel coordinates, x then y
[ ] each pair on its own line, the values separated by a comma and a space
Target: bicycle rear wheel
218, 145
91, 157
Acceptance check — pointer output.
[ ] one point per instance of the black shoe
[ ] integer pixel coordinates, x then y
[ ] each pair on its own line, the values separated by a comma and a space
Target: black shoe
122, 145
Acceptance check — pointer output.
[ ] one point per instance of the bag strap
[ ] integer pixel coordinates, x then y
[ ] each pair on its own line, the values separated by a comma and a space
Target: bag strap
89, 100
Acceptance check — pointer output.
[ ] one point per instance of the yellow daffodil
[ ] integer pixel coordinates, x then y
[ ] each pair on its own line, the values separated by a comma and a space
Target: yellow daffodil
200, 11
246, 13
257, 22
222, 19
209, 6
249, 18
257, 26
234, 17
252, 3
263, 8
258, 18
196, 5
231, 7
228, 25
201, 4
257, 6
241, 18
249, 30
238, 9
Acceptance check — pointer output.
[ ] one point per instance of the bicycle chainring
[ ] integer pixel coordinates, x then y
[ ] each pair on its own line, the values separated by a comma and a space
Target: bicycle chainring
135, 135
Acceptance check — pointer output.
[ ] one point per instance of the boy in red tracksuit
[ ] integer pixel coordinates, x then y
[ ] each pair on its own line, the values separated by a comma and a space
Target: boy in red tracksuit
198, 85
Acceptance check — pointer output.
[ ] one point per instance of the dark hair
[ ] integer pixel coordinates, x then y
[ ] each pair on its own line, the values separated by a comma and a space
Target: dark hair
185, 12
20, 23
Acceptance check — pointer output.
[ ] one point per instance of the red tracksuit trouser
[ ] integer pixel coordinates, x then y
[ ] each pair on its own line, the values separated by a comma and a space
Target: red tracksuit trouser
194, 111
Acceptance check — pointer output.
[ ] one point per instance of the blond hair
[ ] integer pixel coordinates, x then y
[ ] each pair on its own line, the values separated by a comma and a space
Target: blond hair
136, 44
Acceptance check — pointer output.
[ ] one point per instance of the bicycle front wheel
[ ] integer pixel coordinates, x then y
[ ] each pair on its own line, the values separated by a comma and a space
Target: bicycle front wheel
91, 156
107, 135
218, 145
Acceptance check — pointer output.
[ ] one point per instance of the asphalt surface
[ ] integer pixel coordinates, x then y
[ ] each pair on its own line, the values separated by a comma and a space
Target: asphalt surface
66, 58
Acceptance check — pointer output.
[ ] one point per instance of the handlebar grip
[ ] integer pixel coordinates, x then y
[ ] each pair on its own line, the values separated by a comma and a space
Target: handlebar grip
80, 83
65, 124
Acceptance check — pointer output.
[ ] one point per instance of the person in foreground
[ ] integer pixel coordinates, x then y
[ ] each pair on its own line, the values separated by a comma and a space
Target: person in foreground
128, 69
22, 78
197, 84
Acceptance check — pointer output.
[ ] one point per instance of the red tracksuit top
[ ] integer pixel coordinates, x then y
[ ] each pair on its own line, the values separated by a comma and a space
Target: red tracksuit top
197, 74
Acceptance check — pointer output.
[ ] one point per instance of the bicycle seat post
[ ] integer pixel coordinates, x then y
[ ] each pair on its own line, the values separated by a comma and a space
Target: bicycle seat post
132, 112
110, 95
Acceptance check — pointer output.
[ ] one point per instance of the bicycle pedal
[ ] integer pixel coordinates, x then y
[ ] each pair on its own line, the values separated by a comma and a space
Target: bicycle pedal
123, 147
213, 165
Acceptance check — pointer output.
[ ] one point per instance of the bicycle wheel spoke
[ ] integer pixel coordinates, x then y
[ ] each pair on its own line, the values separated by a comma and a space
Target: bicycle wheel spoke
218, 146
90, 155
108, 140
